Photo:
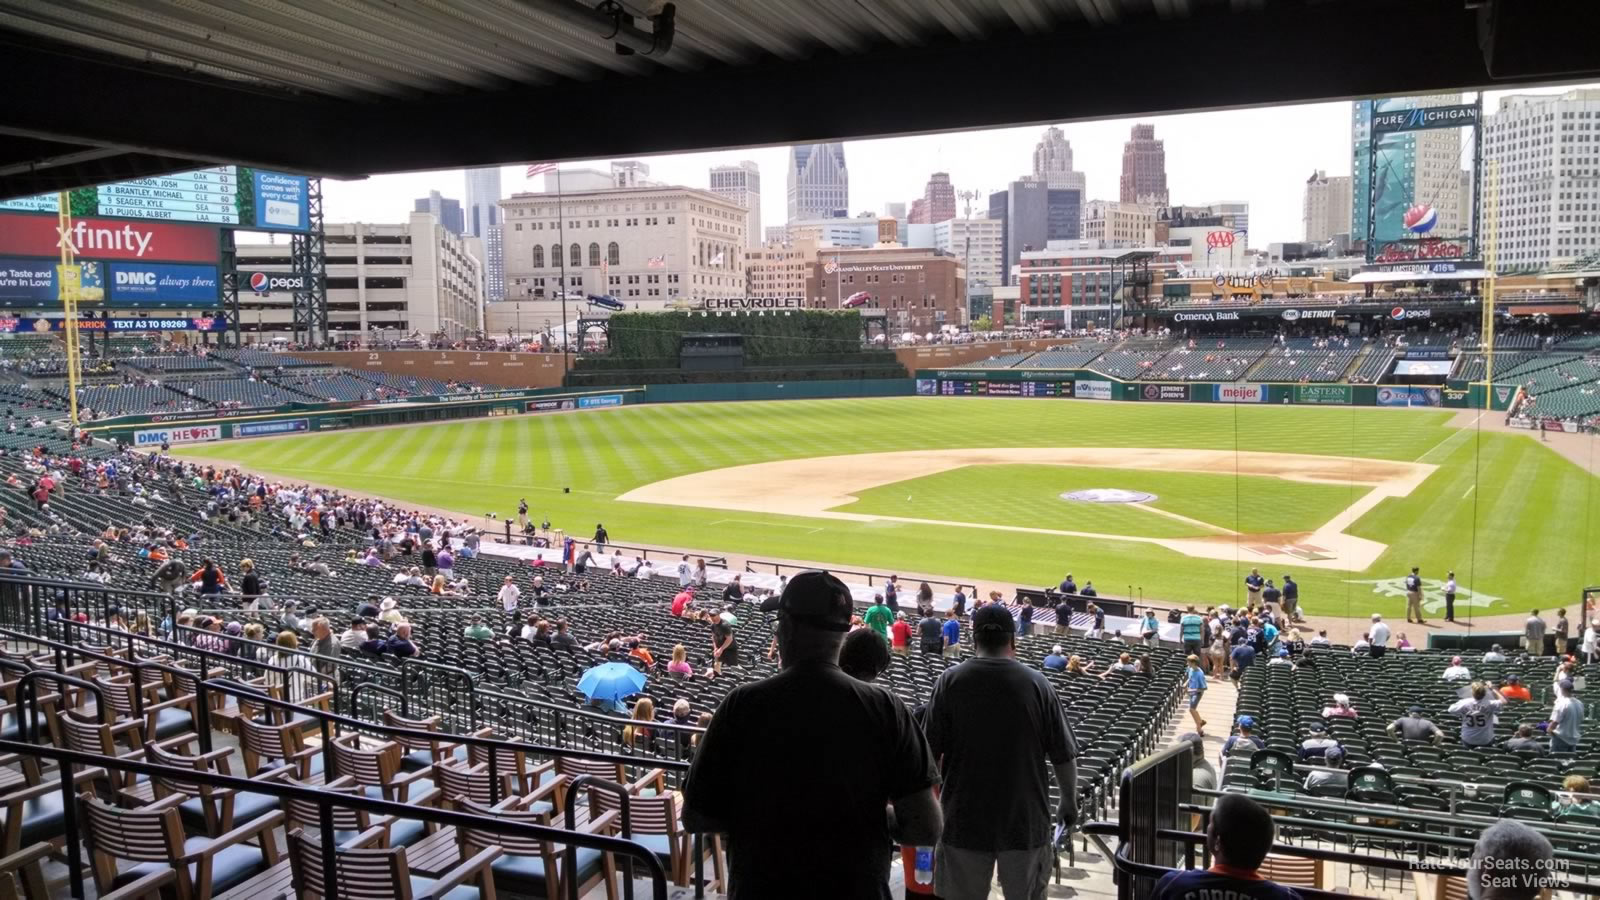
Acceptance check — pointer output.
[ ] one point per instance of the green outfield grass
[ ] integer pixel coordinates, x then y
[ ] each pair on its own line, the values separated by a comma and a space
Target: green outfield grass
1524, 532
1030, 496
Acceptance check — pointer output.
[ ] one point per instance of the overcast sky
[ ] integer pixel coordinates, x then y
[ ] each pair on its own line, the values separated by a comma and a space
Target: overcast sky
1262, 156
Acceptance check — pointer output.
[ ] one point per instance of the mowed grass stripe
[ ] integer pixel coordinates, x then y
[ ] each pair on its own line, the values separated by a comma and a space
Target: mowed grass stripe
419, 460
1540, 551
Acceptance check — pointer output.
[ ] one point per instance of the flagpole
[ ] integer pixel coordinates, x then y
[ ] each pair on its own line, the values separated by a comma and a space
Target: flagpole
561, 228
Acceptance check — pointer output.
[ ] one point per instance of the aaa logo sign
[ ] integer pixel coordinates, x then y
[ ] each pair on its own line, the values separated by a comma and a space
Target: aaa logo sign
1432, 593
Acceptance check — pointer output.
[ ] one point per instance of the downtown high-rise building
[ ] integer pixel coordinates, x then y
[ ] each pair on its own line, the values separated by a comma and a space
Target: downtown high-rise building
1414, 169
819, 183
446, 209
1541, 153
483, 221
1031, 215
742, 184
937, 203
1052, 163
1144, 168
1325, 207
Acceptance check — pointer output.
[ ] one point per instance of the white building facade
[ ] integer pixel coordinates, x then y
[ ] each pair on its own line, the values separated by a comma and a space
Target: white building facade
979, 244
385, 281
819, 182
1052, 164
1325, 207
482, 214
646, 246
742, 185
1544, 153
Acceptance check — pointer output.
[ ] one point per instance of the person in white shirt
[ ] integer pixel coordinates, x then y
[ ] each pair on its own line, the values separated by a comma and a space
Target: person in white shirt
685, 571
1591, 641
1494, 654
1361, 646
1456, 671
1378, 635
1450, 598
509, 595
1478, 714
1321, 640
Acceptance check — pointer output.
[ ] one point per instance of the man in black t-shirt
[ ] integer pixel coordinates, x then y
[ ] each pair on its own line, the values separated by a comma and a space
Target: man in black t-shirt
994, 724
930, 635
799, 769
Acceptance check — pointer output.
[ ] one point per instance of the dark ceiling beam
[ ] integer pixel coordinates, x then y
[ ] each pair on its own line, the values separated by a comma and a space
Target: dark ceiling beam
1290, 52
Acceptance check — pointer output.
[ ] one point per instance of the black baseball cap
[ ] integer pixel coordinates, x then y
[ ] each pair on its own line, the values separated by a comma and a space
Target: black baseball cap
993, 617
816, 598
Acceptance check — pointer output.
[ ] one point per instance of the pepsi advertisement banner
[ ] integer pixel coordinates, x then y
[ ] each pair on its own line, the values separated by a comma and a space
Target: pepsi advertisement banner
283, 426
162, 284
269, 282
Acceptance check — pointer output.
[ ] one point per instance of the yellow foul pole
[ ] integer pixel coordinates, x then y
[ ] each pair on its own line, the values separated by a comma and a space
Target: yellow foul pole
1491, 215
68, 279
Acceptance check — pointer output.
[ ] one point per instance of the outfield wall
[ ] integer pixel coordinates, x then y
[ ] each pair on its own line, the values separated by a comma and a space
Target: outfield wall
1091, 385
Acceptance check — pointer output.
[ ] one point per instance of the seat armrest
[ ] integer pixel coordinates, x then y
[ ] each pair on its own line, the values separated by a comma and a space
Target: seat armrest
150, 885
604, 821
237, 835
462, 873
545, 791
656, 776
25, 856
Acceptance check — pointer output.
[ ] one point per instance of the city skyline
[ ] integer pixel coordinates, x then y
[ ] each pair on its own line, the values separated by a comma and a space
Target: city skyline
1205, 162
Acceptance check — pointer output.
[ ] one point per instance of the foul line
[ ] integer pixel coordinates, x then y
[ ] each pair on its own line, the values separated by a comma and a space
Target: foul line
1449, 437
806, 528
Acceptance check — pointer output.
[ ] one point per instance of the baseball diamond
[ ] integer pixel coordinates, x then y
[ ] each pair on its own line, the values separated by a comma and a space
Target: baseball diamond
1343, 497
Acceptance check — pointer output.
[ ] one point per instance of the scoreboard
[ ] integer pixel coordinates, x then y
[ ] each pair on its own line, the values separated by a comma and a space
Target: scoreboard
225, 196
962, 387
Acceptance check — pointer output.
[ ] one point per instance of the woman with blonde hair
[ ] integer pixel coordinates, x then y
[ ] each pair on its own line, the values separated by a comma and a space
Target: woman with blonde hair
680, 662
644, 710
301, 682
438, 585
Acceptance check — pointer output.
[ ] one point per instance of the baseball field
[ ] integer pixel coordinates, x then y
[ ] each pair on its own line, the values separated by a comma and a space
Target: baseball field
1177, 501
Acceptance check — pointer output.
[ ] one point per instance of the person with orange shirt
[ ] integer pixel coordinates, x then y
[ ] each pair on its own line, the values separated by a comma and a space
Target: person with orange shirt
1514, 689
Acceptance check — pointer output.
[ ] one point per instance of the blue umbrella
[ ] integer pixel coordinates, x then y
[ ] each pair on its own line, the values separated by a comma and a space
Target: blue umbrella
611, 681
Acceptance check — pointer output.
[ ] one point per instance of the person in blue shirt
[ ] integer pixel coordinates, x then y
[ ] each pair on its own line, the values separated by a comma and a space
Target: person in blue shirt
1291, 599
1088, 590
1239, 835
1150, 628
1253, 584
959, 602
952, 632
1068, 586
1269, 634
1243, 656
1055, 661
1197, 689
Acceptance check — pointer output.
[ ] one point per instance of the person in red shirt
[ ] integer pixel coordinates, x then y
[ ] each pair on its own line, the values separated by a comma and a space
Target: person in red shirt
900, 634
682, 601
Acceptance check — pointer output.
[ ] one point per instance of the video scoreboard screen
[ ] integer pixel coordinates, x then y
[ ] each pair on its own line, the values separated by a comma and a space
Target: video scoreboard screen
960, 387
228, 196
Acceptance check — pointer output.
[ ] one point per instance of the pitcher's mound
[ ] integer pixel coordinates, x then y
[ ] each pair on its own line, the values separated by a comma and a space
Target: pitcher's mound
1108, 495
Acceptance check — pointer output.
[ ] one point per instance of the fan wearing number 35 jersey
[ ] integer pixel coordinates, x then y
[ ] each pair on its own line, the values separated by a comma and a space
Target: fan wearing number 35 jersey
1477, 714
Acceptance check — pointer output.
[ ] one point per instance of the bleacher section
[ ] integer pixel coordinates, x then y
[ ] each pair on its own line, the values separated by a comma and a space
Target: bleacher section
1075, 357
1301, 360
1209, 360
999, 361
237, 392
1374, 366
1124, 364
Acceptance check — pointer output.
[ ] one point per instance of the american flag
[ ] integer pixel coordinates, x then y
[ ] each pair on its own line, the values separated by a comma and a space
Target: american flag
656, 262
539, 169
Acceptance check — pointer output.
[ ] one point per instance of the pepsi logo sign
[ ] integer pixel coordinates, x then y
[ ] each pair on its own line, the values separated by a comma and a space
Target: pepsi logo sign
266, 282
1420, 219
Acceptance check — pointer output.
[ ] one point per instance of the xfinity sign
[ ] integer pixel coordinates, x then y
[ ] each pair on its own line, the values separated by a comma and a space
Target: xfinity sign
1424, 117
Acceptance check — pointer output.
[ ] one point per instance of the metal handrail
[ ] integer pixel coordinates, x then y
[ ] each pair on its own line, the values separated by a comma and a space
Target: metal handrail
326, 801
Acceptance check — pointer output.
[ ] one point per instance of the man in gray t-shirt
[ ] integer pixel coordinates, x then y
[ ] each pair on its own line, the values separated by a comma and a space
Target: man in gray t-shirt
1413, 726
1533, 634
930, 635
